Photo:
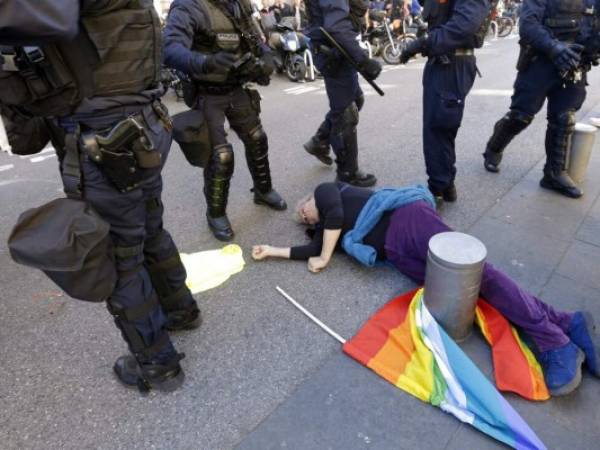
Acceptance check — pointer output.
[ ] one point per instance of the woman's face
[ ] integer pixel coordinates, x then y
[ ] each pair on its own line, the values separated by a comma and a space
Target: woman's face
308, 212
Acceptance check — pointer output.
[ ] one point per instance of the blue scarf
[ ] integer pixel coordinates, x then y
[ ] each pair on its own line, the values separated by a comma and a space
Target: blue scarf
386, 199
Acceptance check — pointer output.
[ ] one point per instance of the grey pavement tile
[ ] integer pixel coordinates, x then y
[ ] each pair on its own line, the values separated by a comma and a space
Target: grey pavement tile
528, 257
589, 230
570, 295
580, 263
539, 211
345, 406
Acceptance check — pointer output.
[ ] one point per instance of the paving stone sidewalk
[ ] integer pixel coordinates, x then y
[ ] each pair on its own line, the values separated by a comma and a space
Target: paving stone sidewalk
551, 246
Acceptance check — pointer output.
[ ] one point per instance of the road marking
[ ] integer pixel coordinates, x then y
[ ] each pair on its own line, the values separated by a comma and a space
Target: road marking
41, 158
492, 92
304, 90
6, 167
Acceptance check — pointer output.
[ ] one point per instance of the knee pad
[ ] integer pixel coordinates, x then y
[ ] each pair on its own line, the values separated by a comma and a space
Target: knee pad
350, 115
257, 135
222, 159
517, 120
565, 119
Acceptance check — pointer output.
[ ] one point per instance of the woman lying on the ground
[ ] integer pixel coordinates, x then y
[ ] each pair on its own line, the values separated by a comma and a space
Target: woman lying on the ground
397, 225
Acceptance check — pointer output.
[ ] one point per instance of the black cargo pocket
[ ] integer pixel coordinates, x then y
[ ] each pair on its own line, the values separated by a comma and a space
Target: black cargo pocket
13, 89
449, 111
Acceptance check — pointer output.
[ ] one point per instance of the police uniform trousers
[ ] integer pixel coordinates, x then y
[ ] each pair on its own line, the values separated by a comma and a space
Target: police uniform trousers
343, 89
541, 81
241, 107
406, 246
238, 107
445, 87
151, 278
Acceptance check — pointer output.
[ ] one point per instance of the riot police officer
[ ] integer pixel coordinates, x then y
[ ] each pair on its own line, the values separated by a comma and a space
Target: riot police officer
455, 28
91, 70
342, 19
216, 43
559, 43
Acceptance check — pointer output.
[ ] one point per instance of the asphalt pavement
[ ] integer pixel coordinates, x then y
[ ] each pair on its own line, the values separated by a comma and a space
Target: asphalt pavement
258, 374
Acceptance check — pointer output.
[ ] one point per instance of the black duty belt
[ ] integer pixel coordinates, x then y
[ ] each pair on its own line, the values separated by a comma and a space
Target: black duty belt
220, 89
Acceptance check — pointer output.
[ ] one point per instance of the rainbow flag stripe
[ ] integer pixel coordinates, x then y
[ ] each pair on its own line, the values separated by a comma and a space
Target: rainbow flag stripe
403, 344
515, 367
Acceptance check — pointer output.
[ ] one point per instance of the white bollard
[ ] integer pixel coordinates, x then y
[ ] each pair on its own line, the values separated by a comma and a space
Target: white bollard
4, 145
582, 143
452, 280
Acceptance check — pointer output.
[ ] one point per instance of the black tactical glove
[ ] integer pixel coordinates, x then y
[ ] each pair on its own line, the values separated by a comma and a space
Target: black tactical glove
221, 62
268, 66
370, 68
412, 48
566, 57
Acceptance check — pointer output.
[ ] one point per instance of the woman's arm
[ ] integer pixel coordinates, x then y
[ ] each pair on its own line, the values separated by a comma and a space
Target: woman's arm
330, 238
260, 252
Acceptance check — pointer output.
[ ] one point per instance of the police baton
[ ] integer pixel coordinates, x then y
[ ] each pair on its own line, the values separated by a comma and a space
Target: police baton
349, 58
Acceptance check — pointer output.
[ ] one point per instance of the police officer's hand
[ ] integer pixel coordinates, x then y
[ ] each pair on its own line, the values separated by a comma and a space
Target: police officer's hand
268, 66
371, 68
221, 62
566, 57
411, 49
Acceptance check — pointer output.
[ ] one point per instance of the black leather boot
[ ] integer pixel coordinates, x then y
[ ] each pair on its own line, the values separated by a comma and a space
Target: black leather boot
152, 363
347, 162
558, 142
319, 149
347, 156
448, 194
184, 319
504, 131
166, 376
257, 157
217, 176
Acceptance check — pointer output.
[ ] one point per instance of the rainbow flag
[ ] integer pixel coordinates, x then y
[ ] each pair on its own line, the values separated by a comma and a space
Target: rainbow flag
403, 344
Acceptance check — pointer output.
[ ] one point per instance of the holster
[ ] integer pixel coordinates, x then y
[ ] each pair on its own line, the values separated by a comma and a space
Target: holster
526, 56
332, 59
122, 152
190, 90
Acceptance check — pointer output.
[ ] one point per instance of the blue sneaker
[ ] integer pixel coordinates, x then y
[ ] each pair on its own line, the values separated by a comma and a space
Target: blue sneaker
562, 368
582, 332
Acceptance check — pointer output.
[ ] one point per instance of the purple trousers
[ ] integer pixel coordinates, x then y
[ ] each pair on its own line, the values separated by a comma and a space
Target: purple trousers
406, 247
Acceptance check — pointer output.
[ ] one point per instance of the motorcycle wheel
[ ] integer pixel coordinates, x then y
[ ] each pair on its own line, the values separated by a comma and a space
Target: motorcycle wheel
505, 26
295, 68
389, 55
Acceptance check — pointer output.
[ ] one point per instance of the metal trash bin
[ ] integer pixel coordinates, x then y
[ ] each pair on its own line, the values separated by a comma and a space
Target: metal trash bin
452, 279
582, 143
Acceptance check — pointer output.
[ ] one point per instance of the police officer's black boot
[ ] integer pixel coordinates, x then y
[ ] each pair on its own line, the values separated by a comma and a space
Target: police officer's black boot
165, 376
257, 157
347, 156
217, 176
558, 142
318, 145
151, 365
504, 131
347, 162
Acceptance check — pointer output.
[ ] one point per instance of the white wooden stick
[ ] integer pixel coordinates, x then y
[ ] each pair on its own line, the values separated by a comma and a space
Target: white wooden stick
307, 313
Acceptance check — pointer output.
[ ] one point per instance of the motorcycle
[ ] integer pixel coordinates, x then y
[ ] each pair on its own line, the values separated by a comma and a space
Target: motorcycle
171, 79
383, 41
291, 52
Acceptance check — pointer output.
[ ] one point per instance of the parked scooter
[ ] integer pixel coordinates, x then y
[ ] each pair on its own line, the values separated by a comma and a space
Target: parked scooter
291, 52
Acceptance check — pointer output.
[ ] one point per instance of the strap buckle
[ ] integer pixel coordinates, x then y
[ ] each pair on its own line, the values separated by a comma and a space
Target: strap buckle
34, 55
9, 62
